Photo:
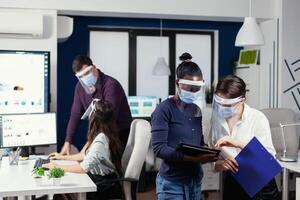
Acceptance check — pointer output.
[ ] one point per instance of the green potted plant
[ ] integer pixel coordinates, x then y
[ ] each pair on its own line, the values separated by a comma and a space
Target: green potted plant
56, 173
38, 173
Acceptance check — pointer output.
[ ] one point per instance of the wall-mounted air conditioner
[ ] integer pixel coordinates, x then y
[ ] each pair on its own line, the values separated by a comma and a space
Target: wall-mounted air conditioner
64, 28
21, 25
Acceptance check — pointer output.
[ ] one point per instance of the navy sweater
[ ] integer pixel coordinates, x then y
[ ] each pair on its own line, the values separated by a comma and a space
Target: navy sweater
170, 126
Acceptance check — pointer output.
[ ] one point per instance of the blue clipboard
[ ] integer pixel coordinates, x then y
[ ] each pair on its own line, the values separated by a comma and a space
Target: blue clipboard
256, 167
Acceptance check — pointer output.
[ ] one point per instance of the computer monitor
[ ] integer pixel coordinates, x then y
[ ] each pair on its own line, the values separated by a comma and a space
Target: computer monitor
142, 106
19, 130
24, 81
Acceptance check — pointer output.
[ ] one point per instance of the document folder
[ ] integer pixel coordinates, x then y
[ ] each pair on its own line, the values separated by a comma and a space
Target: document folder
257, 167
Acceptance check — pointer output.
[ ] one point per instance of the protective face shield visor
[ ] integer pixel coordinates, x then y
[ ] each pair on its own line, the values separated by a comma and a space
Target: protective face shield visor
225, 108
90, 109
81, 76
192, 96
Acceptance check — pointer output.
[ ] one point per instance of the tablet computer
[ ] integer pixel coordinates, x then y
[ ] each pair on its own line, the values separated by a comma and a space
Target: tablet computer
190, 149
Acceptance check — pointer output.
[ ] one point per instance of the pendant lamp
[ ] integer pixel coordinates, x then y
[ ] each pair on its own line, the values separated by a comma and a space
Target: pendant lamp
161, 68
250, 33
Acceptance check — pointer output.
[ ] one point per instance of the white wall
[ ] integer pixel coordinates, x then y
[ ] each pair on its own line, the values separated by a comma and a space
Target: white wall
177, 9
199, 46
290, 52
269, 83
110, 53
284, 31
149, 49
47, 43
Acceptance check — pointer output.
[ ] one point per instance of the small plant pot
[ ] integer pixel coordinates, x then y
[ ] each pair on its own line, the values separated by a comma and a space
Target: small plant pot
56, 181
38, 181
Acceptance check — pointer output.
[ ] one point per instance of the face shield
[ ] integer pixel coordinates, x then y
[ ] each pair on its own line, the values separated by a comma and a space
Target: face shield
225, 108
90, 109
192, 96
87, 79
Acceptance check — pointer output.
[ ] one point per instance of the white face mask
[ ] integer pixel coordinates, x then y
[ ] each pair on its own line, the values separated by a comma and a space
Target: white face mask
190, 97
225, 112
89, 80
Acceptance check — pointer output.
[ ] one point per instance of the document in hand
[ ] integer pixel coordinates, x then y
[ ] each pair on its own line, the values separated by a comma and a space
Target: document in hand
256, 167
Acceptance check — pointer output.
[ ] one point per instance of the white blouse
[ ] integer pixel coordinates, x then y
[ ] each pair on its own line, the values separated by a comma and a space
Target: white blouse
253, 124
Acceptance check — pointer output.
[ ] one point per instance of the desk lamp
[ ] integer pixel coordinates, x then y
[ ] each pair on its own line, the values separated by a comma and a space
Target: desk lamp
284, 157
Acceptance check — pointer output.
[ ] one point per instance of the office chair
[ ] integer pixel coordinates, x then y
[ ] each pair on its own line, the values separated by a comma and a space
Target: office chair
291, 137
133, 157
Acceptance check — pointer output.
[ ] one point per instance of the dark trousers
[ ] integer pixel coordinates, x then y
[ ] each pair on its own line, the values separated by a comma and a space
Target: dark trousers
232, 191
106, 187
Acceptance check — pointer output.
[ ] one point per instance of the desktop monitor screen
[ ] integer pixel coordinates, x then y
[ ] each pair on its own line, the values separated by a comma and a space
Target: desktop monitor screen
27, 129
142, 106
24, 81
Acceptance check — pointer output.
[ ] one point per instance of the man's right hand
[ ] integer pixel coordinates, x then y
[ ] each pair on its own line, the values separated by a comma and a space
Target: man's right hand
65, 150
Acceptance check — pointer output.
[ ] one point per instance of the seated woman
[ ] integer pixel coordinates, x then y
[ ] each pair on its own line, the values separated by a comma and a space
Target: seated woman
101, 155
234, 124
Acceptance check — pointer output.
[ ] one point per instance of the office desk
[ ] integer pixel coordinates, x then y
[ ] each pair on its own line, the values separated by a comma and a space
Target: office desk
16, 180
288, 166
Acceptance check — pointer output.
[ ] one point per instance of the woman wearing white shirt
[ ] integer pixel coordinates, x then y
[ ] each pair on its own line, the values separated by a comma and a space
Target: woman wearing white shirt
234, 124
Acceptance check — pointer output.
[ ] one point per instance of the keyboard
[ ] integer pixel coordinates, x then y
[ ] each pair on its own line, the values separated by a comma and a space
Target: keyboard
39, 162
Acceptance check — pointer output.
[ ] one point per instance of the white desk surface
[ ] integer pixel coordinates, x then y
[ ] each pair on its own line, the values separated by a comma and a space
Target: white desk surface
16, 180
293, 166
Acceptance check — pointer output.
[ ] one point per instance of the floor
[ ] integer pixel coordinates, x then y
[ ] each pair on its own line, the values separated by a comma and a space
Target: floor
150, 195
147, 190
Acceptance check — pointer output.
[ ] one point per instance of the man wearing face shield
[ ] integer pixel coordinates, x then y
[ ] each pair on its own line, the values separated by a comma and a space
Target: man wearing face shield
94, 84
233, 125
178, 120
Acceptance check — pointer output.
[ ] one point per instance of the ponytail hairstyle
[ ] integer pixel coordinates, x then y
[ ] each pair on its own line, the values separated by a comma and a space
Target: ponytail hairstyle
102, 120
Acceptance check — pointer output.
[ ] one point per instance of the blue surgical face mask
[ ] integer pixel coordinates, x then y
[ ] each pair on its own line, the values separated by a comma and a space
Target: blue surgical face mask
89, 80
225, 112
190, 97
